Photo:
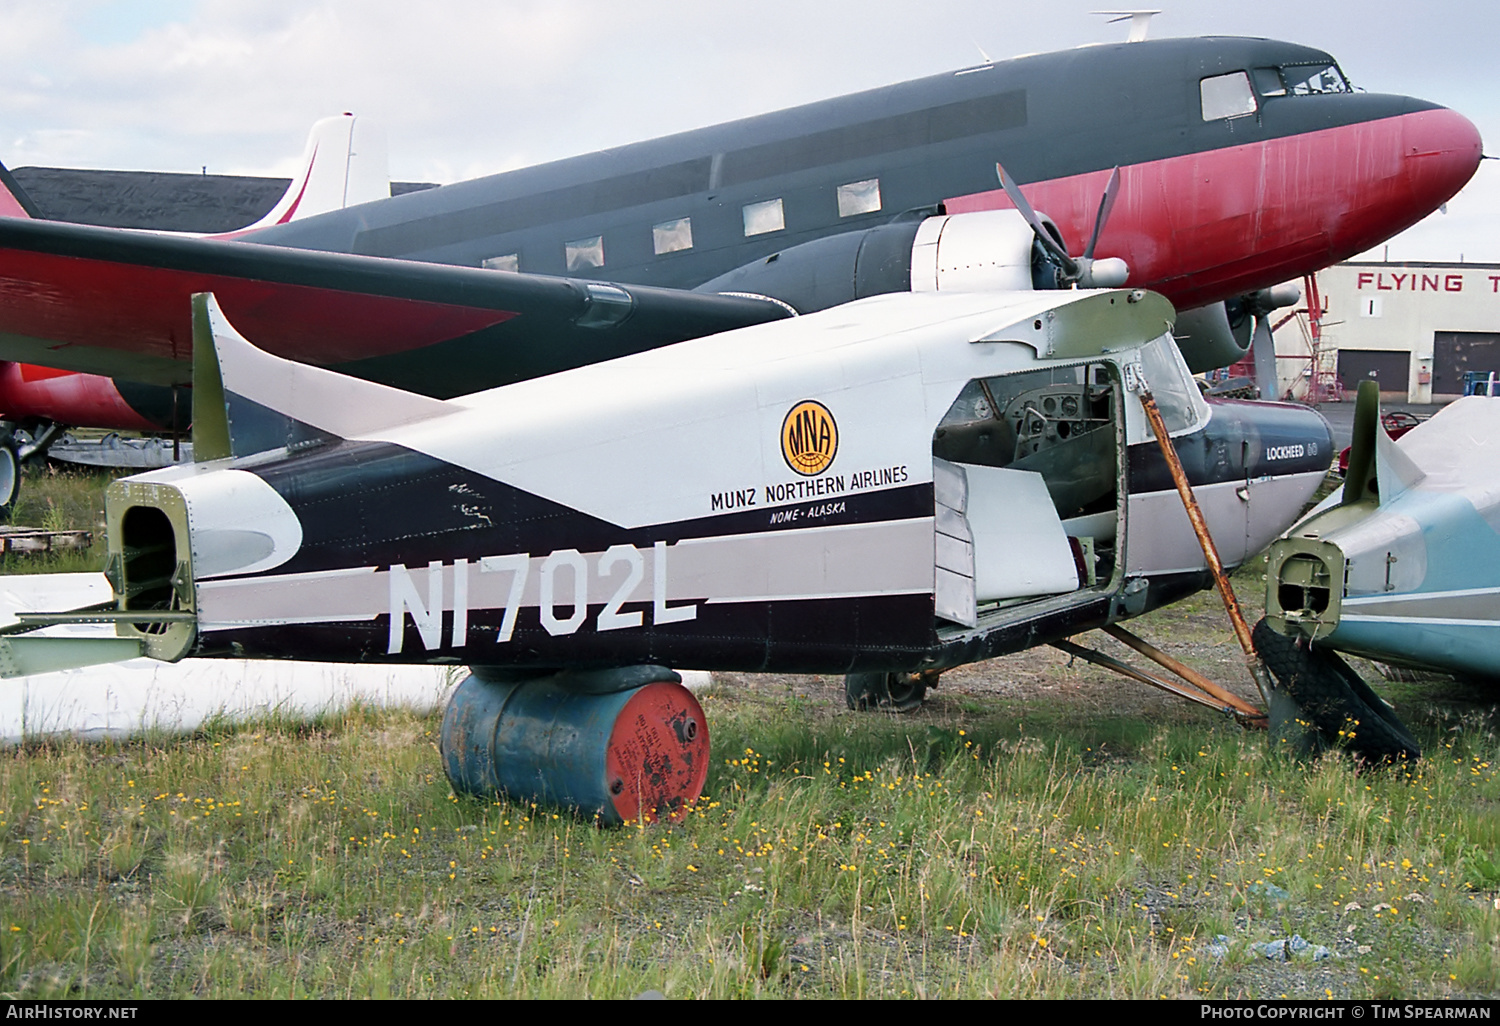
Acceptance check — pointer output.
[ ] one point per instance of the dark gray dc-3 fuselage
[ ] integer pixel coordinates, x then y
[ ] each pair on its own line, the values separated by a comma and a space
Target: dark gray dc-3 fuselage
1191, 175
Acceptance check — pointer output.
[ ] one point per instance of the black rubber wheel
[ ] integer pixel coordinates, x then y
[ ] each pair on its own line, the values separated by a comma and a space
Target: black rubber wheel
10, 479
898, 692
1334, 699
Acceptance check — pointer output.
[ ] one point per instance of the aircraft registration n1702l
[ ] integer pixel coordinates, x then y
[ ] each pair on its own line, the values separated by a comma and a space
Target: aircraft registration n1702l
900, 485
1242, 163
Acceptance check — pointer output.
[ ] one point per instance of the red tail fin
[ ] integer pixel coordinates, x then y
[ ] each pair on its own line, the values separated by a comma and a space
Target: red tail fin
13, 199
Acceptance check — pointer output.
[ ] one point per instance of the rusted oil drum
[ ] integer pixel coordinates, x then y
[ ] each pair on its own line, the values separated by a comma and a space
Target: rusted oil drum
603, 743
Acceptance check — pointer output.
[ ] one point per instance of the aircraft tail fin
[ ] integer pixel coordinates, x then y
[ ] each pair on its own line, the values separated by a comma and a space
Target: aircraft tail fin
344, 164
13, 199
1377, 467
1394, 469
246, 400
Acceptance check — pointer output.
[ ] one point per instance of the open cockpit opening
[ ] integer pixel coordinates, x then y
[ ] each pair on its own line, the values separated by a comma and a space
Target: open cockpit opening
1027, 486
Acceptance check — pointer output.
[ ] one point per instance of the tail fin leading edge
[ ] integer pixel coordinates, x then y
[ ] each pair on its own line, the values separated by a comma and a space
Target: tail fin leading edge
252, 401
13, 199
345, 164
1378, 469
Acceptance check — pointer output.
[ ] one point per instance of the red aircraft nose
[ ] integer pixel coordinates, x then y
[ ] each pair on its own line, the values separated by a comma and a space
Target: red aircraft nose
1441, 150
1399, 170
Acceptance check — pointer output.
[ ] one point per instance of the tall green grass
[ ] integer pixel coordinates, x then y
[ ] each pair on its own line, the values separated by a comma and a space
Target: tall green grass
834, 854
60, 498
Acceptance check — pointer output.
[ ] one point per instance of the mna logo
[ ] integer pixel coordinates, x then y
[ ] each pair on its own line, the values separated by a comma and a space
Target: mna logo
809, 438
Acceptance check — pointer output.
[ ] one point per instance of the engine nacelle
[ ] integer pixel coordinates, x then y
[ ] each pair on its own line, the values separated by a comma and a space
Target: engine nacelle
985, 251
1220, 334
991, 250
1209, 339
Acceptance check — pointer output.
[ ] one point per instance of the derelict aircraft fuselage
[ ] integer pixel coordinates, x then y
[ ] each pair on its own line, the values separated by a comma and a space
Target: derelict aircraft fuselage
906, 483
911, 482
1245, 162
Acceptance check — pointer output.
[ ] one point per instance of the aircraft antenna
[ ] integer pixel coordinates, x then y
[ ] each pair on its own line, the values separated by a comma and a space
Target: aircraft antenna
1139, 21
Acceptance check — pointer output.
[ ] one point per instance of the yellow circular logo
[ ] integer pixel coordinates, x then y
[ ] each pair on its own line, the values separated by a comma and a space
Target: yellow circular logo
809, 438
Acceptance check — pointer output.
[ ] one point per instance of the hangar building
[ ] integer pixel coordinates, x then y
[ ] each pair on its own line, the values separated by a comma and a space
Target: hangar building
1416, 328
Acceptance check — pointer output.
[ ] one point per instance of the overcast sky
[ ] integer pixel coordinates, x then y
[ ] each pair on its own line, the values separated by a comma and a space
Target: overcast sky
469, 87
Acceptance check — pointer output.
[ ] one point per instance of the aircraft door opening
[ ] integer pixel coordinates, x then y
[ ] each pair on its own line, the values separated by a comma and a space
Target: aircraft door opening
1026, 472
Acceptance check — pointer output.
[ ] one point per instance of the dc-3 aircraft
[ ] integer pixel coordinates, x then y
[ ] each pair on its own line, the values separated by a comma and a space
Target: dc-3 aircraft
1401, 565
343, 164
899, 485
1242, 163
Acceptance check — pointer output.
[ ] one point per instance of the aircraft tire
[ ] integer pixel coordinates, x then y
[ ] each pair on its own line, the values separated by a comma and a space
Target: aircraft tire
897, 692
10, 478
1334, 698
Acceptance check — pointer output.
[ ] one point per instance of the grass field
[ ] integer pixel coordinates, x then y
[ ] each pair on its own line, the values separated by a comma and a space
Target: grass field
57, 500
1011, 839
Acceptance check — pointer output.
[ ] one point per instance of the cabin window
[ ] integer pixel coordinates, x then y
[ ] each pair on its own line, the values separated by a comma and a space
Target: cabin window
585, 253
1312, 79
1268, 82
1227, 96
506, 262
766, 216
859, 197
672, 236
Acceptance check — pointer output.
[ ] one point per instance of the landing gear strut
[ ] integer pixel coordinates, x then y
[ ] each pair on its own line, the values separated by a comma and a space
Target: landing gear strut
17, 445
619, 745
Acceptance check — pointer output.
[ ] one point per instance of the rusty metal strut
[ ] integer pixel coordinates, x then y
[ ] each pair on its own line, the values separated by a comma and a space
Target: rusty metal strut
1257, 668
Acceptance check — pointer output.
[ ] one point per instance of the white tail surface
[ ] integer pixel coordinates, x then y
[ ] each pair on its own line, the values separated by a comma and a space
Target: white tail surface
345, 164
324, 399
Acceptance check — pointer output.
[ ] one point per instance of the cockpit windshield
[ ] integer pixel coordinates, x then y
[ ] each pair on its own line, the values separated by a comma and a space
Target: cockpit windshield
1312, 79
1181, 403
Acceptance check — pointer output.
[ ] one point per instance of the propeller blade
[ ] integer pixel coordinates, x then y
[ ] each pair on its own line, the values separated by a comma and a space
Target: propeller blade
1070, 266
1263, 351
1106, 204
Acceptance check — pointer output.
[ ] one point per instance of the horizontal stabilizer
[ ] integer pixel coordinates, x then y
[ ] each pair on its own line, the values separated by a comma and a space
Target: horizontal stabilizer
345, 164
269, 402
68, 648
25, 655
